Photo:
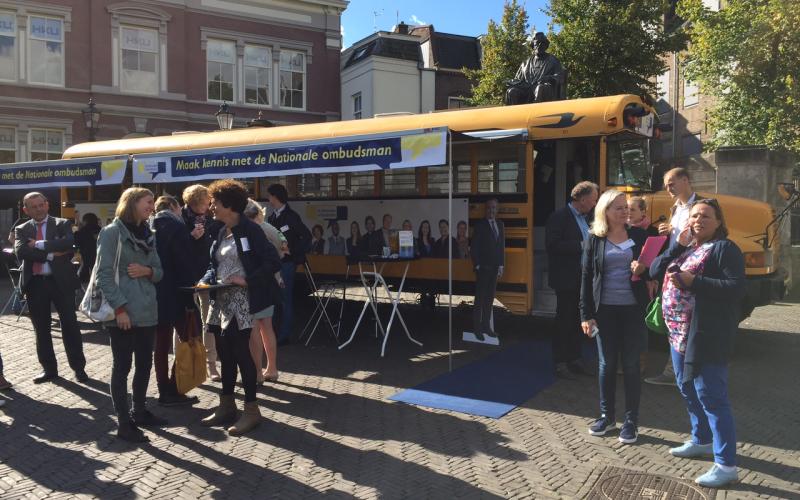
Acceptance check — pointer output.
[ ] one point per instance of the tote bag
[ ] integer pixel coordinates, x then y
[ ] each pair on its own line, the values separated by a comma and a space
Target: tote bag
654, 319
190, 355
94, 304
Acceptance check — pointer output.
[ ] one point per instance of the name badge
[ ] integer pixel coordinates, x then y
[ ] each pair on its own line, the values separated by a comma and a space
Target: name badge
245, 244
626, 244
285, 228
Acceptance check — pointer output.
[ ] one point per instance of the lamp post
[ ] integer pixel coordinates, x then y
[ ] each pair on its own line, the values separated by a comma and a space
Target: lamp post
225, 116
91, 118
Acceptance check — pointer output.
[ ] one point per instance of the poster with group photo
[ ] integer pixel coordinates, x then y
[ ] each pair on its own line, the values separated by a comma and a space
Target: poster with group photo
336, 224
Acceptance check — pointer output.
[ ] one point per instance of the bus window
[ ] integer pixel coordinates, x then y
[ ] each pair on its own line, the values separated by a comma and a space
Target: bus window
355, 184
314, 185
104, 193
462, 174
501, 168
400, 181
81, 193
265, 182
629, 163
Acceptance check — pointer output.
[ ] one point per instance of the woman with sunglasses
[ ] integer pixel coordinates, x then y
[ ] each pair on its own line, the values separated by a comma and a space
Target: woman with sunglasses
703, 276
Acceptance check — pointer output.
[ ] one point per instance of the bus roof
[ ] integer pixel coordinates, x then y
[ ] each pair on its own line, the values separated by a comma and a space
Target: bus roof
548, 120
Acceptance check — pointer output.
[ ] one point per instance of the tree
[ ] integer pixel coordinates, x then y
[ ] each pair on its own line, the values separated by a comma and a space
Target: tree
747, 56
611, 46
504, 49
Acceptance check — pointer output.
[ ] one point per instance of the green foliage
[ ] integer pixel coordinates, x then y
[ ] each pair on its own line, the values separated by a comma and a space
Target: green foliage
504, 49
747, 56
611, 47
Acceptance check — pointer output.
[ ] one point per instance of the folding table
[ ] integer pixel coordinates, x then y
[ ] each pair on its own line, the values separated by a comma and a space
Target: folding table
377, 279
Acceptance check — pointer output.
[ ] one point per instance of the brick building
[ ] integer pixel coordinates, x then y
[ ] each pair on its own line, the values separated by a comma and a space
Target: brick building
154, 67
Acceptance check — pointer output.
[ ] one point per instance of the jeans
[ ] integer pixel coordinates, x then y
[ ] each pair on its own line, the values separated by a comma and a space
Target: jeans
709, 408
287, 273
621, 331
233, 346
126, 344
569, 336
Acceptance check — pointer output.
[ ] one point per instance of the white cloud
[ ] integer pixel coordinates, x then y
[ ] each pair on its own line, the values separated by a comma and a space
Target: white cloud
416, 20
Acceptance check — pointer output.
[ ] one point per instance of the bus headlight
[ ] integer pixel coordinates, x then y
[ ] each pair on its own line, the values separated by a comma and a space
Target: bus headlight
758, 259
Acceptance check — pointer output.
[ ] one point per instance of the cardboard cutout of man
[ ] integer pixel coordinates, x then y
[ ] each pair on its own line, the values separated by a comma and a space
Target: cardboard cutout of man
488, 258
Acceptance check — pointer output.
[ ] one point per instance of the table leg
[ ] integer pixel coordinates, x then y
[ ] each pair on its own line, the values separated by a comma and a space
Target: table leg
395, 302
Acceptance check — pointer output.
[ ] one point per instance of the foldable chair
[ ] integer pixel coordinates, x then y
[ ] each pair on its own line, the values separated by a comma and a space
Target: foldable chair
327, 289
15, 278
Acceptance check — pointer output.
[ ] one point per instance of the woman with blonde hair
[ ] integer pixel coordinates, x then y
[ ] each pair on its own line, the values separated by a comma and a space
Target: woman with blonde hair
612, 308
263, 337
127, 269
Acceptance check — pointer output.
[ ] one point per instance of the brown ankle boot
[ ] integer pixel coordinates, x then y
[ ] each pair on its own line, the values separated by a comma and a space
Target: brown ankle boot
224, 413
250, 418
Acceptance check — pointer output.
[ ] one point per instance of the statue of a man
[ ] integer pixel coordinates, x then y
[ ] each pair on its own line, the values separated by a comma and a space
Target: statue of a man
540, 78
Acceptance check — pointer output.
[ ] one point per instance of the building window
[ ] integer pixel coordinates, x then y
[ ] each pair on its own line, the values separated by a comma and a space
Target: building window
8, 145
292, 77
457, 103
139, 60
690, 93
221, 65
8, 46
662, 86
46, 47
257, 74
46, 144
357, 106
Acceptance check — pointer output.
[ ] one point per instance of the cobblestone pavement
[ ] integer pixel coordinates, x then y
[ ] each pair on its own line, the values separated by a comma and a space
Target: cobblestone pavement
330, 432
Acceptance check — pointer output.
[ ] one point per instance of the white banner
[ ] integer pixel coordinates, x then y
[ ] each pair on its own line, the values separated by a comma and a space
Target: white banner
140, 40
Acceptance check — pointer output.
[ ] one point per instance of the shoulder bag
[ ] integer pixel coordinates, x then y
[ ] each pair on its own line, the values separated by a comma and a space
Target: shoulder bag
94, 304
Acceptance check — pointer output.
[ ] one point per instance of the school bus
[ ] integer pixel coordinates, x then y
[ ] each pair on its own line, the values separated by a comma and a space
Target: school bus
526, 156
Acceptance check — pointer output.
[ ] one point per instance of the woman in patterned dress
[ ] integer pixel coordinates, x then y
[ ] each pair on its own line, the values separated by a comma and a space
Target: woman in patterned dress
243, 258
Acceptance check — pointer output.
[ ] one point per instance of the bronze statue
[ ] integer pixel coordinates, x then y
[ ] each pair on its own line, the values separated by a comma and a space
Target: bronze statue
540, 78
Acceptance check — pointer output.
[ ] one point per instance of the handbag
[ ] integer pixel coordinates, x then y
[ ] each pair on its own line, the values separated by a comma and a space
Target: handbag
94, 304
190, 355
654, 319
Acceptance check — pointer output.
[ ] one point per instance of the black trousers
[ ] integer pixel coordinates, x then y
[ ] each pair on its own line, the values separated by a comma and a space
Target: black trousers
41, 292
621, 332
485, 287
125, 345
233, 349
568, 336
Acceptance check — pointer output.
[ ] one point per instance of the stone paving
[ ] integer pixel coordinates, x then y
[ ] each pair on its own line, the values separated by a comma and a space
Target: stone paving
330, 432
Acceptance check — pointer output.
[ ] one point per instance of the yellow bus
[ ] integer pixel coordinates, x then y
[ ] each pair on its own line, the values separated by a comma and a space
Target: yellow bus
526, 156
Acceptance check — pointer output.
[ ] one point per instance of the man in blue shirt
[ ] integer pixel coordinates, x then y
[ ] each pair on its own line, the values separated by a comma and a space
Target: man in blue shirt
566, 230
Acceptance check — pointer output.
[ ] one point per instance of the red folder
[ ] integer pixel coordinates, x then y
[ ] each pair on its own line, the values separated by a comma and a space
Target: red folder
650, 250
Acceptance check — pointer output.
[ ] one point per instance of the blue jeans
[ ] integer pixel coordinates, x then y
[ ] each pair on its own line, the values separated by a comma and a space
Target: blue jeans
709, 408
621, 331
287, 273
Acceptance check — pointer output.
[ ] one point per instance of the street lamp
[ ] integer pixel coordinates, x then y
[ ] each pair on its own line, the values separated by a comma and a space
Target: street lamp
91, 118
225, 116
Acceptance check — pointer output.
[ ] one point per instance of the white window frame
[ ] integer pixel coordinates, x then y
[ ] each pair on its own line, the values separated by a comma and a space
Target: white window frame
305, 78
47, 131
29, 44
16, 140
270, 78
691, 93
357, 110
235, 98
662, 86
157, 52
15, 35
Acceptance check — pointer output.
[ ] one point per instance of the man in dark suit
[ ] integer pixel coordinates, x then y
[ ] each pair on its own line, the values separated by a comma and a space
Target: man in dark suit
44, 245
488, 258
566, 230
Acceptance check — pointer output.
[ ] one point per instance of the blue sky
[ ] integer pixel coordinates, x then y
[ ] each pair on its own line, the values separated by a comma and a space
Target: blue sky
461, 17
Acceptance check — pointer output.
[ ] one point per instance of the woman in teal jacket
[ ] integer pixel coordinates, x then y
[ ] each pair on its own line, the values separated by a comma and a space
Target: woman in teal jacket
128, 286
